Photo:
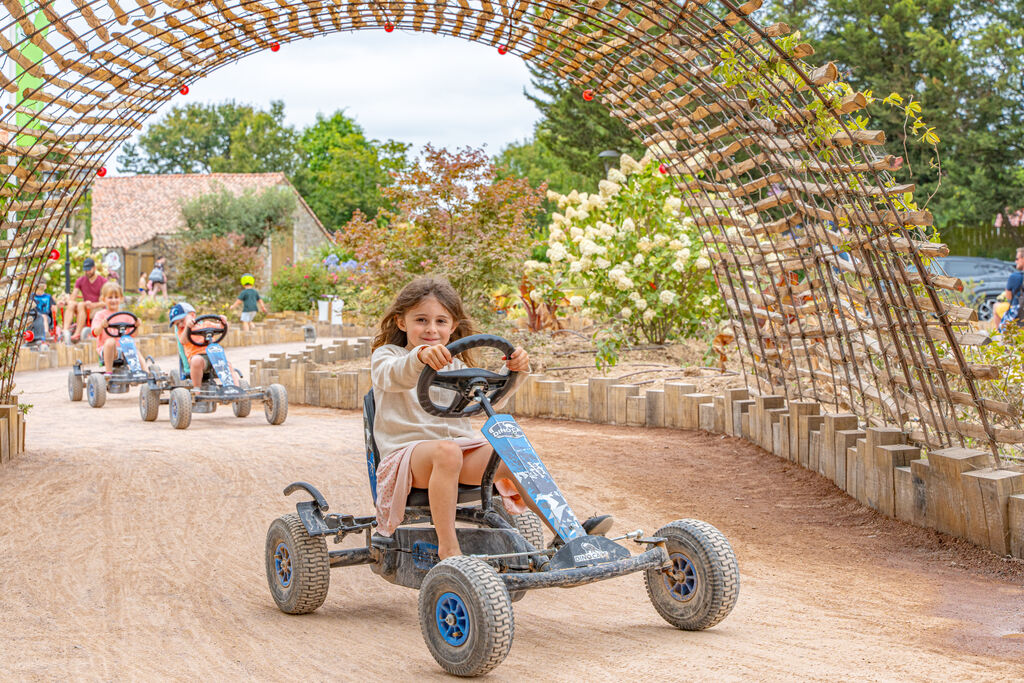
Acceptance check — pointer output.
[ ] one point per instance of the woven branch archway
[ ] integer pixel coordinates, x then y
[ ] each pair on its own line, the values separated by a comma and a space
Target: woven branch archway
819, 255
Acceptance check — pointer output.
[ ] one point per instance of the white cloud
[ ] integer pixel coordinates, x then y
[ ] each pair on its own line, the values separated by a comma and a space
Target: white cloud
412, 87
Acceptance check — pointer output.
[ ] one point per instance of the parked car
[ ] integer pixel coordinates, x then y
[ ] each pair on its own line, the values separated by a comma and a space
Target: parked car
984, 279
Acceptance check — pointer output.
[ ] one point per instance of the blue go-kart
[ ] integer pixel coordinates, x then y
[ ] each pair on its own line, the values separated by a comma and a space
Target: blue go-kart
465, 603
127, 370
217, 387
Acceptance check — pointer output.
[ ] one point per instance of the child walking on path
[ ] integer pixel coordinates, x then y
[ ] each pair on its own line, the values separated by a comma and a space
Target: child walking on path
417, 449
250, 301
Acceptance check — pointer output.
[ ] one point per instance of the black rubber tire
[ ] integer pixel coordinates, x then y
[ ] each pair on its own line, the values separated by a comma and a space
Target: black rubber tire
275, 406
75, 386
530, 528
180, 408
491, 621
96, 390
308, 562
175, 378
717, 575
149, 403
244, 407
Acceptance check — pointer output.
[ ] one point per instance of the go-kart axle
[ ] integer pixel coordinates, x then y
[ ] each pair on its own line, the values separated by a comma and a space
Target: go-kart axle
577, 576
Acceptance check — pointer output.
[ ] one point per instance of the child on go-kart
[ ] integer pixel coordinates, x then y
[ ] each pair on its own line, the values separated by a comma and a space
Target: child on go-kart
106, 346
182, 316
418, 449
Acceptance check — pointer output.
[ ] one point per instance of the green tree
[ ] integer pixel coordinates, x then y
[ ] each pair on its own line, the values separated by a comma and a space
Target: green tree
535, 162
252, 216
963, 60
215, 138
575, 131
342, 170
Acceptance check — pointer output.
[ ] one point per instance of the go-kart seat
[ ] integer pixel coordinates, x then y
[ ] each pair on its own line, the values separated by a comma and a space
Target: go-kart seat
417, 497
183, 370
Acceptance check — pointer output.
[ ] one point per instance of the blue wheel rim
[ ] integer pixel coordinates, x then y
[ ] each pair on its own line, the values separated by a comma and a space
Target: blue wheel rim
681, 580
452, 619
283, 564
174, 411
92, 391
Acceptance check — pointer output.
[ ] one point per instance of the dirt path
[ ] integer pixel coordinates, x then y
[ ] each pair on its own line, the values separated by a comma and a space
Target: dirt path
133, 551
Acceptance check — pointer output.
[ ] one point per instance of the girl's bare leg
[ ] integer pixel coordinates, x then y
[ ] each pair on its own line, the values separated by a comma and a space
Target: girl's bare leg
435, 466
109, 354
474, 464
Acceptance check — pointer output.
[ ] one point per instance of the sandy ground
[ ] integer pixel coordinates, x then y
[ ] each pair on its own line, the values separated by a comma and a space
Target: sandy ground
129, 550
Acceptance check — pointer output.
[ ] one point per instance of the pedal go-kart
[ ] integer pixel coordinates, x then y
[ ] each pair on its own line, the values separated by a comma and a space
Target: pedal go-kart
127, 368
465, 603
218, 387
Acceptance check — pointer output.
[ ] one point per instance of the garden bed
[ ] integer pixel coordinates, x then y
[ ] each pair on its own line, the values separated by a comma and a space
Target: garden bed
570, 357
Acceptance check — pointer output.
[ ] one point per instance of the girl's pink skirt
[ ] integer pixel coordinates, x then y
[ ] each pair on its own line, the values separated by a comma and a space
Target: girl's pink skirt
394, 481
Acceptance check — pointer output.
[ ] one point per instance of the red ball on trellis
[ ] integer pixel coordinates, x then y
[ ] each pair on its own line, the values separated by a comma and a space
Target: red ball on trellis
274, 47
389, 27
663, 169
101, 172
588, 95
28, 336
502, 49
184, 90
54, 255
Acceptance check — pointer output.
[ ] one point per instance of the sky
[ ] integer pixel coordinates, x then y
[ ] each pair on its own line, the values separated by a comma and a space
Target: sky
411, 87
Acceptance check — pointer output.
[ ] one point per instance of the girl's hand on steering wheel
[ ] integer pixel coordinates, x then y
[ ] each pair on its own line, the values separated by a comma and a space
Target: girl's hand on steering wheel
519, 361
436, 356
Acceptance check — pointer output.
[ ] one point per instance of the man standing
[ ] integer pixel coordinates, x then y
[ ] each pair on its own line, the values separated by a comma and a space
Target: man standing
87, 288
1014, 294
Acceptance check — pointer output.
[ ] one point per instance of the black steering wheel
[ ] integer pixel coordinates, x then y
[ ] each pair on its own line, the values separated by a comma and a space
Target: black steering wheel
204, 336
119, 329
467, 381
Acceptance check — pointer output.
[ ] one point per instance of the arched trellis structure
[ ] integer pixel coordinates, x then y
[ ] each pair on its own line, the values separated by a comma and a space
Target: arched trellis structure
818, 253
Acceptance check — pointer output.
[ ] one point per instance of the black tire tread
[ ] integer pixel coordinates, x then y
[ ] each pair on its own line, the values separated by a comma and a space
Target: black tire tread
530, 528
75, 386
184, 400
275, 407
500, 629
149, 403
99, 390
723, 573
244, 407
311, 568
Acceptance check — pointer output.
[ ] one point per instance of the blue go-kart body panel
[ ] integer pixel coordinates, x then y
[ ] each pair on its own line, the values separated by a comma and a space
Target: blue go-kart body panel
130, 353
219, 361
518, 454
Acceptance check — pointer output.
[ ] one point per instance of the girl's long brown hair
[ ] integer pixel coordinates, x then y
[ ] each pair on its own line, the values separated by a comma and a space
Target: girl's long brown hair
413, 293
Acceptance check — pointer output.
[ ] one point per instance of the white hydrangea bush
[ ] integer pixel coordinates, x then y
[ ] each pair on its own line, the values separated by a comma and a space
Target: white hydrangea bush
631, 254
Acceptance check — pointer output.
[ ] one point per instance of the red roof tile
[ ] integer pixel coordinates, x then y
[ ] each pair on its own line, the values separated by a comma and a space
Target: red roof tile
130, 210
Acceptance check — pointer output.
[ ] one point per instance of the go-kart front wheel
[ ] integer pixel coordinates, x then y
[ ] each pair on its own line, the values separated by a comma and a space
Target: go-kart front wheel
275, 405
703, 583
96, 390
243, 407
298, 567
149, 403
180, 408
75, 386
466, 616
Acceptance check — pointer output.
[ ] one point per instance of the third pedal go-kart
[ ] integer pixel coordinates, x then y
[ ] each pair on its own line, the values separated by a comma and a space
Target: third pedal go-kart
465, 602
127, 368
218, 387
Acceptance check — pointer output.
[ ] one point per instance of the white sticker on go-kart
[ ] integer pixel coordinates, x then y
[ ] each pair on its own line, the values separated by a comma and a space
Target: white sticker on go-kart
506, 430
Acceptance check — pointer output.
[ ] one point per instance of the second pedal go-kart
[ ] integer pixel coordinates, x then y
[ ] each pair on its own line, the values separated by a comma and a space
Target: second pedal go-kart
217, 387
127, 368
465, 602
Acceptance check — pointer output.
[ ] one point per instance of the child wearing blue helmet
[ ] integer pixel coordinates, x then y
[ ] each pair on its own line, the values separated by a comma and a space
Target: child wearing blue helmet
182, 317
250, 301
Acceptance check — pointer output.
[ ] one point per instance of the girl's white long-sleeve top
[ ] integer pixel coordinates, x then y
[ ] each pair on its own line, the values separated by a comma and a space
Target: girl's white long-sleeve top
399, 419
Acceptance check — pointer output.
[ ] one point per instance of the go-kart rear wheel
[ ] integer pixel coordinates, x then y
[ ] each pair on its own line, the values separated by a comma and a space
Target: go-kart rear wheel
96, 390
530, 528
149, 403
180, 408
244, 407
275, 405
703, 584
466, 616
298, 567
75, 386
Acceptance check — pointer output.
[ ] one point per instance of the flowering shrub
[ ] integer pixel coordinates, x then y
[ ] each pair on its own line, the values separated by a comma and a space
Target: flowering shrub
634, 253
53, 276
297, 286
210, 269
